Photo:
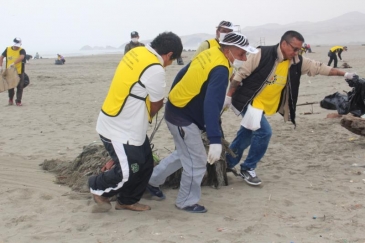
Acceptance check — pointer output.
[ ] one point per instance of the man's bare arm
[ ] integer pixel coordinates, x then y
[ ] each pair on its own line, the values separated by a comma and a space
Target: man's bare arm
336, 72
155, 107
232, 87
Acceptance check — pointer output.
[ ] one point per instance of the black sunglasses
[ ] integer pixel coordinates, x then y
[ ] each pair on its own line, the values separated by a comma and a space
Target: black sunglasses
295, 49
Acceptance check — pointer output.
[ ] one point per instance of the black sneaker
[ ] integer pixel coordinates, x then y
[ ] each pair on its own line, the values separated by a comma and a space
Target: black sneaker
155, 192
250, 177
196, 208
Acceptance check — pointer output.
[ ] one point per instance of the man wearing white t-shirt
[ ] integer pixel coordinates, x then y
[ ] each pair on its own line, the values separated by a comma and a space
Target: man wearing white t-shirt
135, 95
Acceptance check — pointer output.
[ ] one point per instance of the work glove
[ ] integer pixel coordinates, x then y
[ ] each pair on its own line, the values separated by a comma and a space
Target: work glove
227, 102
349, 76
12, 65
214, 153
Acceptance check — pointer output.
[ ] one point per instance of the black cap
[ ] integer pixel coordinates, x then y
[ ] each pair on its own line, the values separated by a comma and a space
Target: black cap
134, 34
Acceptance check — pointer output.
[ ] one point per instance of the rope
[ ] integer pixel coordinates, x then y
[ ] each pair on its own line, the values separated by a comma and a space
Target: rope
157, 125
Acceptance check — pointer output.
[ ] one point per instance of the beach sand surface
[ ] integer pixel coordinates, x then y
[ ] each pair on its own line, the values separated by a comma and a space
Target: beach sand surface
313, 176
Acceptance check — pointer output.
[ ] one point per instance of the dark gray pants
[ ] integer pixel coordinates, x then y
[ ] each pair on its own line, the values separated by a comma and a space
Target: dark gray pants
19, 90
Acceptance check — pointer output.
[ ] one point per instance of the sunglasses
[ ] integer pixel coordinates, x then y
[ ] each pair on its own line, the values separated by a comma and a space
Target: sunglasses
295, 49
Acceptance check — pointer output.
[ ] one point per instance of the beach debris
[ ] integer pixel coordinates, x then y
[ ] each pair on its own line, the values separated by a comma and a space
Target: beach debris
353, 124
75, 173
94, 159
314, 217
345, 65
216, 174
220, 229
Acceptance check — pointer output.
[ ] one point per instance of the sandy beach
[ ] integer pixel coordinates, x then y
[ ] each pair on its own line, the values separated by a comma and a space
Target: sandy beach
313, 176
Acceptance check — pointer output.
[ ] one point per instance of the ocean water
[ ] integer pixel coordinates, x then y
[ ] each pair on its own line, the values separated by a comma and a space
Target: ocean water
78, 53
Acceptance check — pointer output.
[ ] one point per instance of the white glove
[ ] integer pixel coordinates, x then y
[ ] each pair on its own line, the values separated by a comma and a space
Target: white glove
214, 153
349, 76
12, 65
227, 102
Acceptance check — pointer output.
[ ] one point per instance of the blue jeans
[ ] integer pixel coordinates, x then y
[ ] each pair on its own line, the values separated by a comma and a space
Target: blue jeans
257, 140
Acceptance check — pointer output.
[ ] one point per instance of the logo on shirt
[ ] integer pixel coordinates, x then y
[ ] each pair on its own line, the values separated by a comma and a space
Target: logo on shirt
134, 167
272, 80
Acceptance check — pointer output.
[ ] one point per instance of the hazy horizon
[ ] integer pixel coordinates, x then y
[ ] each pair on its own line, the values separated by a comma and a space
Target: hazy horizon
65, 27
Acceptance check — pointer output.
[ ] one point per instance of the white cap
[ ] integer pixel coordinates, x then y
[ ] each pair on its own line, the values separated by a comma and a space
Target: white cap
17, 42
226, 25
239, 40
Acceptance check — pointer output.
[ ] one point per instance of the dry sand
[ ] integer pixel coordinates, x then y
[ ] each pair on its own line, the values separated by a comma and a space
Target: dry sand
311, 191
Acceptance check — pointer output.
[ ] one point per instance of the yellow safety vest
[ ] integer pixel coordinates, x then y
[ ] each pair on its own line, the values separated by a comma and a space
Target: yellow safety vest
335, 48
213, 43
198, 73
269, 98
128, 74
11, 56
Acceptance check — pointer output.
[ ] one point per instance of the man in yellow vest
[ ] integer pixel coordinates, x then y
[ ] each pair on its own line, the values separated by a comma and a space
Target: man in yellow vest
194, 105
222, 29
135, 95
265, 84
15, 56
332, 54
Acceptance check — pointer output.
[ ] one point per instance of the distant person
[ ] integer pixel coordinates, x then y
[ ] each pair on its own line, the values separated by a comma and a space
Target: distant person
61, 58
222, 29
180, 61
133, 43
135, 95
15, 57
267, 83
332, 54
308, 47
36, 56
194, 104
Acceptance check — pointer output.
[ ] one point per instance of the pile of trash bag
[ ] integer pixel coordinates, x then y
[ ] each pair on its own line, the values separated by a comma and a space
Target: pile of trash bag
352, 102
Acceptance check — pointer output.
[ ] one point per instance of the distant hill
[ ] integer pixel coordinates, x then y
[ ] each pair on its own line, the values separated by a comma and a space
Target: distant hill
347, 29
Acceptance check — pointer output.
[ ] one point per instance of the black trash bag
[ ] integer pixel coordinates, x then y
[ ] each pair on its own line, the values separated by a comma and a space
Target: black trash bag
357, 98
336, 101
26, 80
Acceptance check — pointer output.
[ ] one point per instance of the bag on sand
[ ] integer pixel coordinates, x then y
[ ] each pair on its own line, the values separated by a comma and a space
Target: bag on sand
9, 79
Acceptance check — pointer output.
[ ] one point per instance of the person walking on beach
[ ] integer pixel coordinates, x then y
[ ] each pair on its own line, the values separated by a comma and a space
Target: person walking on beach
332, 54
265, 84
15, 56
194, 105
135, 95
222, 29
133, 43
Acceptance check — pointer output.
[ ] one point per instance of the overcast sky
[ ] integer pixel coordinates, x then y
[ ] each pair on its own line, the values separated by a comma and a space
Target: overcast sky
67, 25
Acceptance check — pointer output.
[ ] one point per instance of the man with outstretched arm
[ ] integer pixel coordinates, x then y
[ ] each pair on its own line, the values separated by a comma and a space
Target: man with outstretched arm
267, 83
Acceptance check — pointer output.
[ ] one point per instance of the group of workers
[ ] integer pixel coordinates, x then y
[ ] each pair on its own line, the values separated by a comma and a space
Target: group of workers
225, 72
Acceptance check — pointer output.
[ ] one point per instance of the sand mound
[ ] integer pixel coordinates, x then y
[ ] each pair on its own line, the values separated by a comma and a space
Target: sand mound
94, 157
75, 173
